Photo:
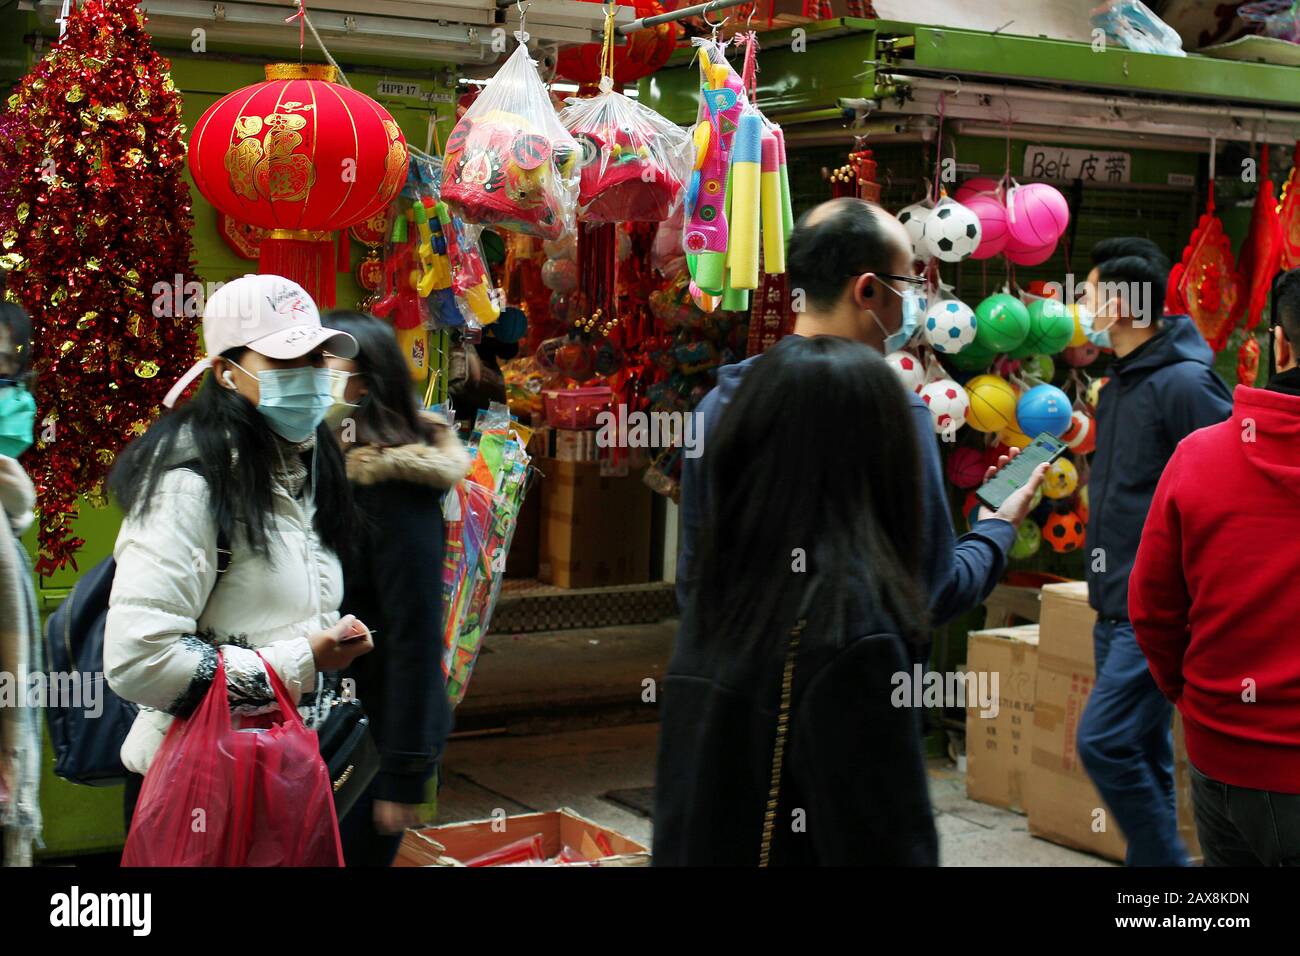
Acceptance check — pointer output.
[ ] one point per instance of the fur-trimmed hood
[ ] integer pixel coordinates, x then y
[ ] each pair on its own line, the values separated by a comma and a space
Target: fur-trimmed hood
439, 465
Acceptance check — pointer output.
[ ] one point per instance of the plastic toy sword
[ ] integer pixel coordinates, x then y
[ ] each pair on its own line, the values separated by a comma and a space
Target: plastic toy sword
705, 235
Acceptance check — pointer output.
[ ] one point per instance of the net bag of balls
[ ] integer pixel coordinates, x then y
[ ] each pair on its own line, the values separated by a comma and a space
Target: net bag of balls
632, 162
509, 161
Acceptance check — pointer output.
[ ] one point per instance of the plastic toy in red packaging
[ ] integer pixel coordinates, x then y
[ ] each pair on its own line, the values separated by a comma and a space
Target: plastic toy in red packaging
509, 161
633, 161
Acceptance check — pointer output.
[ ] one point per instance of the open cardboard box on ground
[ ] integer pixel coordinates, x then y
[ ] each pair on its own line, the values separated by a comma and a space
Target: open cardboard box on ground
1062, 803
999, 748
454, 843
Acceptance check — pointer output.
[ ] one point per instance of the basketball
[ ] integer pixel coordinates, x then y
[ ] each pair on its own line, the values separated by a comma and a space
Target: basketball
992, 403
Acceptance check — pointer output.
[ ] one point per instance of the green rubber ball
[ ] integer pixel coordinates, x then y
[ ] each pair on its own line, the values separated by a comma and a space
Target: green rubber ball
1002, 323
1029, 537
1051, 326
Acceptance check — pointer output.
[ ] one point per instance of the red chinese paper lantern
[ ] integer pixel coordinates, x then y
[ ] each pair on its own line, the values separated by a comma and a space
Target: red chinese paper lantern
643, 53
301, 156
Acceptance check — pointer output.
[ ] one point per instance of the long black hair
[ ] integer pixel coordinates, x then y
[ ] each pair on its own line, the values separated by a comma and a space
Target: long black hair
387, 414
813, 474
19, 326
236, 451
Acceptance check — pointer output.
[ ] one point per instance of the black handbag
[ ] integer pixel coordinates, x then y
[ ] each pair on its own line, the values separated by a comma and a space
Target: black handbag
349, 752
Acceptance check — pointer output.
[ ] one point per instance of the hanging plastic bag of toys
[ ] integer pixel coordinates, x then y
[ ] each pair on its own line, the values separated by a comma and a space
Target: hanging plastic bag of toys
510, 162
633, 162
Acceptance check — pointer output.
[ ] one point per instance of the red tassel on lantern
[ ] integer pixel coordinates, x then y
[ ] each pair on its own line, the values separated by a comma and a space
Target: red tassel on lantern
301, 156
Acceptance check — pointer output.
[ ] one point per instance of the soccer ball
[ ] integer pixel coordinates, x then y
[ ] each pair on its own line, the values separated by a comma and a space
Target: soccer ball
950, 326
948, 405
913, 218
908, 368
951, 232
1063, 532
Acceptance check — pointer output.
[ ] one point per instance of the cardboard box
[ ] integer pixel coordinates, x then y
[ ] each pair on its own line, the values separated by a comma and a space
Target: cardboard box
1062, 803
595, 530
999, 749
454, 843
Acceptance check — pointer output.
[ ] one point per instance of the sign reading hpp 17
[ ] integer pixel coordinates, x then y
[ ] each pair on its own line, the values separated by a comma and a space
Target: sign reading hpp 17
1090, 165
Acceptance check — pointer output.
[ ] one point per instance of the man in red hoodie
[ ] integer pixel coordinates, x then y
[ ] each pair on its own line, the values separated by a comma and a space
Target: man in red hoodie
1217, 629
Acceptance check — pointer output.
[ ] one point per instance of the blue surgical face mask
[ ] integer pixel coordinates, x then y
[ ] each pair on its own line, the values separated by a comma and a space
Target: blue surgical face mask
17, 419
1087, 321
293, 400
913, 309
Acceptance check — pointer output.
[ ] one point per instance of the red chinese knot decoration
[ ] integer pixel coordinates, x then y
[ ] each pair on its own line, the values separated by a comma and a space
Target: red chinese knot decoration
300, 156
1204, 284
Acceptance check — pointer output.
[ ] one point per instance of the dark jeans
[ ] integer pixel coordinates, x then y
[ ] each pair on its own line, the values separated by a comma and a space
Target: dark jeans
1238, 826
1126, 745
363, 845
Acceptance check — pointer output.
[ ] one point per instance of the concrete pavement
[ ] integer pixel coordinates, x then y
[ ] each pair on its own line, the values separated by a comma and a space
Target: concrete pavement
563, 724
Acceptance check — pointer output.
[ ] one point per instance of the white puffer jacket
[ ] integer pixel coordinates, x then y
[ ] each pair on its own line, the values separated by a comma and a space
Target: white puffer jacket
162, 630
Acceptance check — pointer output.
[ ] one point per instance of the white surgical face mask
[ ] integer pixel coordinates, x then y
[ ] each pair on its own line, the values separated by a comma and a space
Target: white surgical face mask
1089, 321
913, 308
338, 412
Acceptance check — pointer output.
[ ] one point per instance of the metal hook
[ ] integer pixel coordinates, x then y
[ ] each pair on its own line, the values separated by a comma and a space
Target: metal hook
715, 27
752, 10
954, 76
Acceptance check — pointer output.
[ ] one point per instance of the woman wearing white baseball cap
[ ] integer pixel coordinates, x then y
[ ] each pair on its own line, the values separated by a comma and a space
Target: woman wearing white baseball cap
245, 462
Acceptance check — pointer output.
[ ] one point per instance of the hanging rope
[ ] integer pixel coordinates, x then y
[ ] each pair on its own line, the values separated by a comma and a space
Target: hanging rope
938, 147
607, 50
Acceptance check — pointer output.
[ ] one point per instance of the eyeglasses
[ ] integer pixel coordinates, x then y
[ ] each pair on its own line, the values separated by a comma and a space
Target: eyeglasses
913, 280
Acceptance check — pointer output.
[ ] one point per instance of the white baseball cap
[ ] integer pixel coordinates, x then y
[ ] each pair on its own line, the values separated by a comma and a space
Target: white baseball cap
269, 314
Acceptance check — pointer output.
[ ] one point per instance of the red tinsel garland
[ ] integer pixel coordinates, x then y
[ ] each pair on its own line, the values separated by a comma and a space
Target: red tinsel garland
97, 235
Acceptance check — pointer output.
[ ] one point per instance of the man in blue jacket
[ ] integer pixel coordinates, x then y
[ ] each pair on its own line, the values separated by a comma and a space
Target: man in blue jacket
850, 270
1162, 388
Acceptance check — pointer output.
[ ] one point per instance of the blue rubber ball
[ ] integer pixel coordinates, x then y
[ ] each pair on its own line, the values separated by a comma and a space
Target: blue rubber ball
1044, 408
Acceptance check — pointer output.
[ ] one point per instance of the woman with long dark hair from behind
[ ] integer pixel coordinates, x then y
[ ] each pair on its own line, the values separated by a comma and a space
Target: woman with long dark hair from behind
808, 590
400, 461
248, 467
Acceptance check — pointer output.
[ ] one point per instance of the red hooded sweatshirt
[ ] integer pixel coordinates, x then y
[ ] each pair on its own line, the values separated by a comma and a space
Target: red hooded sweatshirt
1212, 596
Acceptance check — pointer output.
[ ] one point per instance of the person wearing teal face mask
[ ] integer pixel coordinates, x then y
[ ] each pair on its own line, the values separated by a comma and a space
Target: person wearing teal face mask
248, 460
852, 275
20, 645
1162, 388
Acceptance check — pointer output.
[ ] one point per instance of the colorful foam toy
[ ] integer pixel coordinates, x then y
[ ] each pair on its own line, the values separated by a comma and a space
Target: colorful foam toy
738, 196
509, 162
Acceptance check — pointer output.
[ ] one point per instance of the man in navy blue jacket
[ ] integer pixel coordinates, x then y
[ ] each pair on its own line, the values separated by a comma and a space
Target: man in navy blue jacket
1162, 388
850, 268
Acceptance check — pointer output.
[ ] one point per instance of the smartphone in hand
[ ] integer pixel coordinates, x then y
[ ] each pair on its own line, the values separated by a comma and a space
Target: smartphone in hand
1045, 448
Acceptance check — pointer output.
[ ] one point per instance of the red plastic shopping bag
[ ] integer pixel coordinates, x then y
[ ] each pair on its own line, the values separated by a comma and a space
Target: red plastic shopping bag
215, 795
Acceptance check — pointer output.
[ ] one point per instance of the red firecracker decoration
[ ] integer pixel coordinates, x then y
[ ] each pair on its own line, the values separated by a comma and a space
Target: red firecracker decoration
1288, 215
1204, 284
96, 232
302, 156
1261, 253
1248, 361
643, 53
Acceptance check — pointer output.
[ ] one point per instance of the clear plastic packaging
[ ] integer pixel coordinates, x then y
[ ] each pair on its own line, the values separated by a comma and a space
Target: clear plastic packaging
509, 161
633, 161
1131, 23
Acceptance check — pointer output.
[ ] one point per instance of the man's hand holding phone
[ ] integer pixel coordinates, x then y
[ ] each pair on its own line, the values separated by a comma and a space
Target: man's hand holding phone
1017, 505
